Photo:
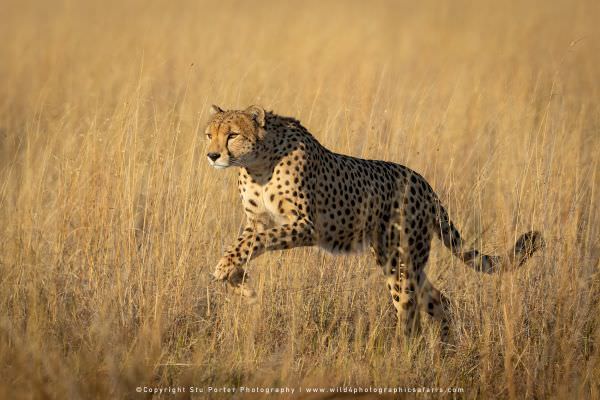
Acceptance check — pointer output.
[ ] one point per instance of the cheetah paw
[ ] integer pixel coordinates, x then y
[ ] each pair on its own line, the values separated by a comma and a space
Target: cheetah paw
245, 291
223, 271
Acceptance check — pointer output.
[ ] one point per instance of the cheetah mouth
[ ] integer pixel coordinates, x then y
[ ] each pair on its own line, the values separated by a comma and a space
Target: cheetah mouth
217, 165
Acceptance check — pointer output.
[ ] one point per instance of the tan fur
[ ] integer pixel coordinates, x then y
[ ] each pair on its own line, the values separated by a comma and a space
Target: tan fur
296, 193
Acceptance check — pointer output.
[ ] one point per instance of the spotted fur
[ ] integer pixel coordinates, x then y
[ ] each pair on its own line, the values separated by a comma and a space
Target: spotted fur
295, 192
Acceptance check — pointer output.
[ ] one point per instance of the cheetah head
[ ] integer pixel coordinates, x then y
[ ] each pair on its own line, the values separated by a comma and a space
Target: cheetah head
234, 136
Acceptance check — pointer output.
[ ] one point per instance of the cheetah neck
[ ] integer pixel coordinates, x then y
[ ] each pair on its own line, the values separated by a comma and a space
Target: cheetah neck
282, 135
260, 176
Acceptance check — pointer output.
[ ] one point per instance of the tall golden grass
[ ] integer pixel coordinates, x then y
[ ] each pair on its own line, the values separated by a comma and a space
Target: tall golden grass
111, 219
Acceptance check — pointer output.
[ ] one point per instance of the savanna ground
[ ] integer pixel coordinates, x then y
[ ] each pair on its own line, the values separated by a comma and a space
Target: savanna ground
111, 220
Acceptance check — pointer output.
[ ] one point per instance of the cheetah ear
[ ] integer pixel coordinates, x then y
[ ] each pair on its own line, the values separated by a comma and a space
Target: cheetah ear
258, 114
214, 109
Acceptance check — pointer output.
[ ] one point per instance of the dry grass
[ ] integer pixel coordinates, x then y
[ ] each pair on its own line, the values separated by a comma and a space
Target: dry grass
497, 104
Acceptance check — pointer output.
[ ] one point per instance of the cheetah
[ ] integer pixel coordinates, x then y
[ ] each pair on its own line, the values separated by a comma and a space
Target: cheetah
295, 192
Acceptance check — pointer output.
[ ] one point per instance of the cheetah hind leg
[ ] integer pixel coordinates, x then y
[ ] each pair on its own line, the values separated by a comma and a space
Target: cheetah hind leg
405, 302
436, 305
238, 282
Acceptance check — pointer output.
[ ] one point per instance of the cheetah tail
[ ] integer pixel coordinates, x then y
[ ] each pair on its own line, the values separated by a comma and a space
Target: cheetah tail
526, 245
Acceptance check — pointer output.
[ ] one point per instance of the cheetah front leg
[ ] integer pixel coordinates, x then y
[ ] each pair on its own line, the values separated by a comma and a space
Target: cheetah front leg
252, 243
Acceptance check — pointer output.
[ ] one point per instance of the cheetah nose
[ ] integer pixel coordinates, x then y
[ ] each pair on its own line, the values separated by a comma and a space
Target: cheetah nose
213, 156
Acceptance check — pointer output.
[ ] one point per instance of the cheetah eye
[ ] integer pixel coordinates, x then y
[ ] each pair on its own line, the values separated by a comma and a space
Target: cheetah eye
232, 135
208, 136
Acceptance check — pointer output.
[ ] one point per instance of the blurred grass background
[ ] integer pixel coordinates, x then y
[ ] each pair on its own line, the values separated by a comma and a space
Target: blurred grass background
111, 220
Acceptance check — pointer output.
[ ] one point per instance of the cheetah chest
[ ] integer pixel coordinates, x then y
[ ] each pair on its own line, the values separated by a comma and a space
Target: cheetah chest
265, 203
